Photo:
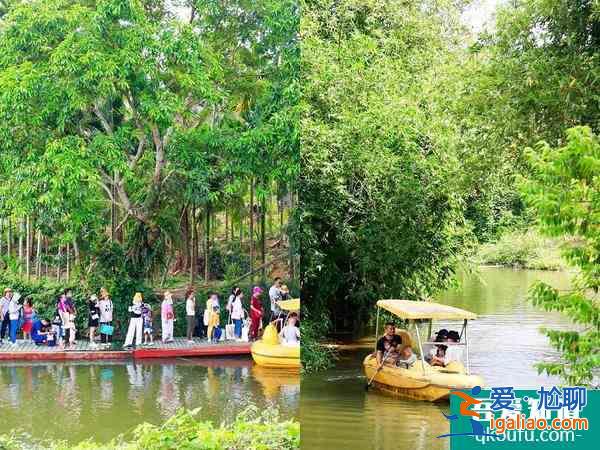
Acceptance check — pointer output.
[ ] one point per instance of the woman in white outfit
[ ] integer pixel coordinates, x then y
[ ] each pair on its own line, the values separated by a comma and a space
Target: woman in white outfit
168, 317
136, 322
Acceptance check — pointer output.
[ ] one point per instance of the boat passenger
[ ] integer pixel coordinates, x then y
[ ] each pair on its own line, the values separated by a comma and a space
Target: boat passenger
387, 343
453, 352
290, 334
406, 357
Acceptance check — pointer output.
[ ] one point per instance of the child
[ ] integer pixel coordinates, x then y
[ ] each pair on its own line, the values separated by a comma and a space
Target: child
93, 318
56, 332
28, 313
213, 323
406, 357
148, 330
290, 334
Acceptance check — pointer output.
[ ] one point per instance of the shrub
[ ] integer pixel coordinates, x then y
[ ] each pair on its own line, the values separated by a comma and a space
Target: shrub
250, 430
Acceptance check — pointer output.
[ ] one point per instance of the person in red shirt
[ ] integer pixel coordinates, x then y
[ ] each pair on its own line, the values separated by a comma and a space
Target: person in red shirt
256, 312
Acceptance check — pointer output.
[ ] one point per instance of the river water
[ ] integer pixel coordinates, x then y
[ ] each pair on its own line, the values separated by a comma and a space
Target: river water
505, 343
76, 401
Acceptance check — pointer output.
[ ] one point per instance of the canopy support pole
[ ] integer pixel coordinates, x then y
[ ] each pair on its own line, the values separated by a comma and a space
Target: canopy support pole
377, 329
467, 345
420, 347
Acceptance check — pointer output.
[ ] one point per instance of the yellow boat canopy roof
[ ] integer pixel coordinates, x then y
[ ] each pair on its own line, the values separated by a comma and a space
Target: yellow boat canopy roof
290, 305
412, 310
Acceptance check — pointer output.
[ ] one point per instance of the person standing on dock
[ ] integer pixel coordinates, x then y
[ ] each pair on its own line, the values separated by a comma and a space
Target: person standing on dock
148, 329
106, 317
136, 322
28, 314
168, 317
190, 313
237, 314
4, 302
256, 312
93, 318
14, 310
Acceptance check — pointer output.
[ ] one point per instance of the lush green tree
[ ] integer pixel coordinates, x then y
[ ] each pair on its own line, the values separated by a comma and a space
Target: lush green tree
131, 106
564, 190
381, 205
533, 75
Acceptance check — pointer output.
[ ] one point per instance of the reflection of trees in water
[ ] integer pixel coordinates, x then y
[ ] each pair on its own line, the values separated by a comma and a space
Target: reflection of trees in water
113, 397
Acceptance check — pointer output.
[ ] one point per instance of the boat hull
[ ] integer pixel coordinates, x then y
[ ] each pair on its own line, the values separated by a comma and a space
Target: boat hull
275, 355
418, 383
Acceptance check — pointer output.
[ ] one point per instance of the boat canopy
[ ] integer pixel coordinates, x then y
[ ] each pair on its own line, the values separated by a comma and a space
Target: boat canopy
290, 305
413, 310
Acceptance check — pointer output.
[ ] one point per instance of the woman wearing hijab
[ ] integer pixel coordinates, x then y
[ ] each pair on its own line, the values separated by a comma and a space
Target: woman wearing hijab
168, 318
256, 312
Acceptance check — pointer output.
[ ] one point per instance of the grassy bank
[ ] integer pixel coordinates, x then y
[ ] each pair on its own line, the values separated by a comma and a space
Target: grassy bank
250, 430
523, 249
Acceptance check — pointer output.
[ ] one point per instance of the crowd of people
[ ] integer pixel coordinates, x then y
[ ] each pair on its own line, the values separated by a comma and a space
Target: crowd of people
62, 331
392, 351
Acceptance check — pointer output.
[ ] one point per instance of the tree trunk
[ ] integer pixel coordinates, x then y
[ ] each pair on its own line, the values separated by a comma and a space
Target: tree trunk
263, 237
252, 227
207, 243
38, 255
193, 249
28, 247
9, 238
59, 256
68, 255
21, 253
47, 253
187, 244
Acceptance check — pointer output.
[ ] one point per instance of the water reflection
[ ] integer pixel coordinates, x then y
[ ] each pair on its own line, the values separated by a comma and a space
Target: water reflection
109, 398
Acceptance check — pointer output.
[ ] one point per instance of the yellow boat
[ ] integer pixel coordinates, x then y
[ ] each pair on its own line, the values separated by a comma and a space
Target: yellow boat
422, 381
268, 352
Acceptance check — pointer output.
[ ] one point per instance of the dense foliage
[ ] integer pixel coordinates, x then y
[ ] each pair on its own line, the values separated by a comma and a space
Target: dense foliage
416, 130
250, 430
391, 222
157, 128
564, 190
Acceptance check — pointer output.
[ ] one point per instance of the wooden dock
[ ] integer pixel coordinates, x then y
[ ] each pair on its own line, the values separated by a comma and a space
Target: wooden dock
27, 351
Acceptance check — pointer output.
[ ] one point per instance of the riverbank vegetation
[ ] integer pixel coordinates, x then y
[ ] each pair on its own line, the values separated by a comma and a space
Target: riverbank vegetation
147, 145
417, 129
522, 249
250, 430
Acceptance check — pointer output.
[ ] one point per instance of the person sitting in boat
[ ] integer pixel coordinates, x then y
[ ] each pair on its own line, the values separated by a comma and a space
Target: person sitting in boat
290, 334
438, 352
453, 352
406, 357
386, 345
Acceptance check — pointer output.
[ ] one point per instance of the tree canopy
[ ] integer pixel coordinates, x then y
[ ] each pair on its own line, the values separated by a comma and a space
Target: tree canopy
129, 105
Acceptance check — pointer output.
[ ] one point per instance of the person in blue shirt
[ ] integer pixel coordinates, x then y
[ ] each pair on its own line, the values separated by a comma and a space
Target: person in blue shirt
39, 331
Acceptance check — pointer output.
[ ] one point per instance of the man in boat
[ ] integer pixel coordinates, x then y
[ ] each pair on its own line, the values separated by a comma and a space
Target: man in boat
388, 343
